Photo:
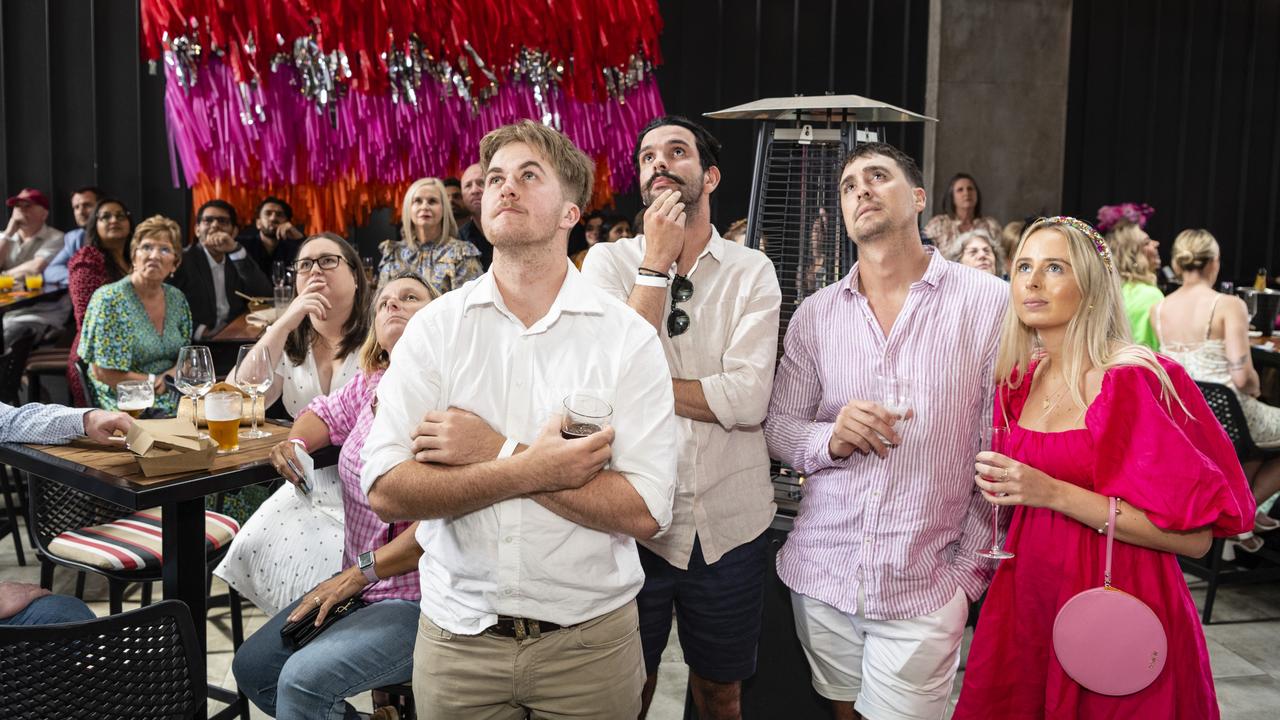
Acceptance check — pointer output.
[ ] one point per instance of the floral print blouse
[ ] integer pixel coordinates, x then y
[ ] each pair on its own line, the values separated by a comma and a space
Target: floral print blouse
444, 266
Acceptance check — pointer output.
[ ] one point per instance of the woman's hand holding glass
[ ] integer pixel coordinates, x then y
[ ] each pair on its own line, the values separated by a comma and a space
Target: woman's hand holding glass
1005, 481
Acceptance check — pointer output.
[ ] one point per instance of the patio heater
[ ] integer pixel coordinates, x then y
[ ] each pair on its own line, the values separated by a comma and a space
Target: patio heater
794, 213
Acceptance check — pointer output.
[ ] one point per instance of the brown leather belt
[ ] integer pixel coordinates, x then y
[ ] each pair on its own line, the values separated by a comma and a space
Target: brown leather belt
521, 628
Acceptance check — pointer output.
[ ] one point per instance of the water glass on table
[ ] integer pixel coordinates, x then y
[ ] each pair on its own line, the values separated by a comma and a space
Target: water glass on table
584, 414
996, 439
282, 295
135, 397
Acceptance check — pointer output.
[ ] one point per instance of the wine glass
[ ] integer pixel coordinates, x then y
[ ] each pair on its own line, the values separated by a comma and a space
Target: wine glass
896, 396
1250, 297
194, 377
996, 440
254, 375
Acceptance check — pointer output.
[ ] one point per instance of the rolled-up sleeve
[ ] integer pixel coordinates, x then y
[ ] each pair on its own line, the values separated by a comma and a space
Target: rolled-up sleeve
739, 396
600, 268
644, 445
409, 388
793, 433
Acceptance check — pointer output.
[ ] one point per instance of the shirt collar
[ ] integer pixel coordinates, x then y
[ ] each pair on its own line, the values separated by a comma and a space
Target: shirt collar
212, 263
576, 296
933, 273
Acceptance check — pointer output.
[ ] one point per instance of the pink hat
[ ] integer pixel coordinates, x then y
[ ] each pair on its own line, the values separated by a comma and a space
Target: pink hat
30, 195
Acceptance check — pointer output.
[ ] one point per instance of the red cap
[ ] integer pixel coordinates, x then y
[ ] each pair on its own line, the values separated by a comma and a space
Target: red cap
30, 195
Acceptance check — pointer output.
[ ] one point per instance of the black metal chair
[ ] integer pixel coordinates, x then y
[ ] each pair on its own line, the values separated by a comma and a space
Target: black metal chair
1226, 407
11, 363
134, 665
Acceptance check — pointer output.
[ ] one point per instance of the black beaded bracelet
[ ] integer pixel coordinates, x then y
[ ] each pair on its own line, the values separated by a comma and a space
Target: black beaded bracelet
653, 273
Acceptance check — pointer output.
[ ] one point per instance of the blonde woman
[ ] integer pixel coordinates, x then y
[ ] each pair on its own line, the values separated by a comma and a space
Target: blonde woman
1133, 251
1208, 333
429, 244
1093, 416
134, 327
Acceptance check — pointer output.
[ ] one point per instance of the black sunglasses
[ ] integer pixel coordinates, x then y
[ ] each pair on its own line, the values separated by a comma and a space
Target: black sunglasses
678, 320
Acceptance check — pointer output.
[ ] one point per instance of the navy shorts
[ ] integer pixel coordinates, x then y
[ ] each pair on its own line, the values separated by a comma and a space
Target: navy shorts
717, 609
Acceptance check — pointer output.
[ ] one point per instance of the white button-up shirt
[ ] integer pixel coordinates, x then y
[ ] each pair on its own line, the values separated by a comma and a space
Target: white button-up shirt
517, 558
725, 497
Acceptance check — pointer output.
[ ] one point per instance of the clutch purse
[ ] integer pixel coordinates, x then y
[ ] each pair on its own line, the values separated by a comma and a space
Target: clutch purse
303, 630
1108, 640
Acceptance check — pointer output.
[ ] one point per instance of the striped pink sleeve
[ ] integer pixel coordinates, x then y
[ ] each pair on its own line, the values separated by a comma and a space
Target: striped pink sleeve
340, 410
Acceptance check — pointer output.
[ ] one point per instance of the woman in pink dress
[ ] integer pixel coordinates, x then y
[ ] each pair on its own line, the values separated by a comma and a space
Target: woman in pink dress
1092, 416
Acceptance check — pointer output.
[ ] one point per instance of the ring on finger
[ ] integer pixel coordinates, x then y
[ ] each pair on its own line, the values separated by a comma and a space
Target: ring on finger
318, 602
1005, 475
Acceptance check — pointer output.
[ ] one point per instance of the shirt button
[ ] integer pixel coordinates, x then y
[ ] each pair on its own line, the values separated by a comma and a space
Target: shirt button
509, 592
507, 539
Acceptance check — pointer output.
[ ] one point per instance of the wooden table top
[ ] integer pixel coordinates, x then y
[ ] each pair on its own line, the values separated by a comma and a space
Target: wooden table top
239, 331
15, 298
119, 461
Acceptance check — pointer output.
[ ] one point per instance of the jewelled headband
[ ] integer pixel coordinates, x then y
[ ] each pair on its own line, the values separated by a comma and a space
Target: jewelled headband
1099, 244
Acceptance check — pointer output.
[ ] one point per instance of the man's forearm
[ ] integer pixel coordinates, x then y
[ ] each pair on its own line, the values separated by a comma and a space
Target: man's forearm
608, 503
691, 401
649, 302
422, 491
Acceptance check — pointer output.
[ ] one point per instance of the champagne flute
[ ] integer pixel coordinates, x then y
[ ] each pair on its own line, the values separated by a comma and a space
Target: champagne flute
194, 377
896, 398
996, 440
254, 375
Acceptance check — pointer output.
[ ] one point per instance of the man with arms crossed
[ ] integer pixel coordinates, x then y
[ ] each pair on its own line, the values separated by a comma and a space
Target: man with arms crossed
882, 559
715, 306
530, 572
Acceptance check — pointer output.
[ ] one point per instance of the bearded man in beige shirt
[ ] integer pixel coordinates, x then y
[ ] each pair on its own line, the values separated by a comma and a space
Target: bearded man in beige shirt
715, 306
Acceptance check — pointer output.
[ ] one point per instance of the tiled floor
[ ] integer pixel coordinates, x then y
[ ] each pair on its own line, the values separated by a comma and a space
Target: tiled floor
1244, 643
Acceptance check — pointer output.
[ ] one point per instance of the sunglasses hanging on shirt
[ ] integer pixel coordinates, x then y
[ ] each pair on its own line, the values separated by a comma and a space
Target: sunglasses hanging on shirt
678, 320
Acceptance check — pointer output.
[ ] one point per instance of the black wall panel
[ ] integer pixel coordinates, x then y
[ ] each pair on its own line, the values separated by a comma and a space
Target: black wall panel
1174, 103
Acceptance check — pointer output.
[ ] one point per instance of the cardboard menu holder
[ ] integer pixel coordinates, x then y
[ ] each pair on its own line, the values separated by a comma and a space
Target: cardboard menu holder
165, 447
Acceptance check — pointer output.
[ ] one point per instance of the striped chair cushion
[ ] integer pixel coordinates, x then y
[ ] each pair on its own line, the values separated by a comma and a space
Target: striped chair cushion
133, 542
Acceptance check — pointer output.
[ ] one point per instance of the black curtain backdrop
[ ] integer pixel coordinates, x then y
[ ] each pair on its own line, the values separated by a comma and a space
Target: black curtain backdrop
79, 107
721, 53
1174, 103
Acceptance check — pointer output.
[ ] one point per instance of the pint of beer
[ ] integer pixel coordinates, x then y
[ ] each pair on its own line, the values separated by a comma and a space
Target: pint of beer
134, 396
222, 410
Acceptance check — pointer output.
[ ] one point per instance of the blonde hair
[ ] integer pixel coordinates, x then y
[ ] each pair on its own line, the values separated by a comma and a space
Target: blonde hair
1193, 249
1097, 336
1126, 240
573, 168
373, 356
956, 251
154, 226
448, 227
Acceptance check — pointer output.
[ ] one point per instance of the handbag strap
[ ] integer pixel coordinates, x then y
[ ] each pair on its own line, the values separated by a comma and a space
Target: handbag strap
1111, 536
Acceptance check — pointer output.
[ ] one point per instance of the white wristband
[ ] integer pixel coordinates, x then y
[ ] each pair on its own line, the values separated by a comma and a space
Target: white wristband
508, 448
651, 281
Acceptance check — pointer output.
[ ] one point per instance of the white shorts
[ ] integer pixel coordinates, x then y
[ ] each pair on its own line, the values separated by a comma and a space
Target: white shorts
889, 669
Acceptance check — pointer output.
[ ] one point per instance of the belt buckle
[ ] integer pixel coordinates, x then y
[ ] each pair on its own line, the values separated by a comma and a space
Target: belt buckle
521, 632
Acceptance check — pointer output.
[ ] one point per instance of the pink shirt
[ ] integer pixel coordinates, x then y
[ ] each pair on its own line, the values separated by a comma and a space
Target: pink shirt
905, 528
349, 414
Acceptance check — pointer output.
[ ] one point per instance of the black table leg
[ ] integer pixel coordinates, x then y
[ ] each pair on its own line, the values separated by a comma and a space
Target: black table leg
184, 569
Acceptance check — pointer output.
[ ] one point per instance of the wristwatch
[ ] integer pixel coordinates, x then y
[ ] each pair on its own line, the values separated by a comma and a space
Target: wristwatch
366, 566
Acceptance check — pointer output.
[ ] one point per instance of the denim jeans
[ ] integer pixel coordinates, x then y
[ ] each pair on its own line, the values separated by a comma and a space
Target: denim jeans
51, 609
371, 648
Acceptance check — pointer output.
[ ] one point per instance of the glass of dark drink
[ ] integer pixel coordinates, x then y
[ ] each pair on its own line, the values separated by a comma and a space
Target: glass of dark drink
584, 414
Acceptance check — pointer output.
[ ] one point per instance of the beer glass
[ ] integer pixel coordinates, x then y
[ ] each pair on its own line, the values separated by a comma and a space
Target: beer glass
135, 396
6, 283
222, 412
35, 282
584, 414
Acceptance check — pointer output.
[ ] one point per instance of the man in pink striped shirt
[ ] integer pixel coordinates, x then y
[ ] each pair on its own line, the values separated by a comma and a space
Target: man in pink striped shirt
881, 561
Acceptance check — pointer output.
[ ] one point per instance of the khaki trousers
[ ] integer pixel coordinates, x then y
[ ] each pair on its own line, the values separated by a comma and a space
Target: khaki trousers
592, 670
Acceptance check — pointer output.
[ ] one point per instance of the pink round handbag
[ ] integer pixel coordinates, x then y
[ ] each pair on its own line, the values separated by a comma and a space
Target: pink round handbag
1108, 640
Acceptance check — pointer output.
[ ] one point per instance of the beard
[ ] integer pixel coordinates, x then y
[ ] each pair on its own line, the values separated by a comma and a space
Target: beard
690, 192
